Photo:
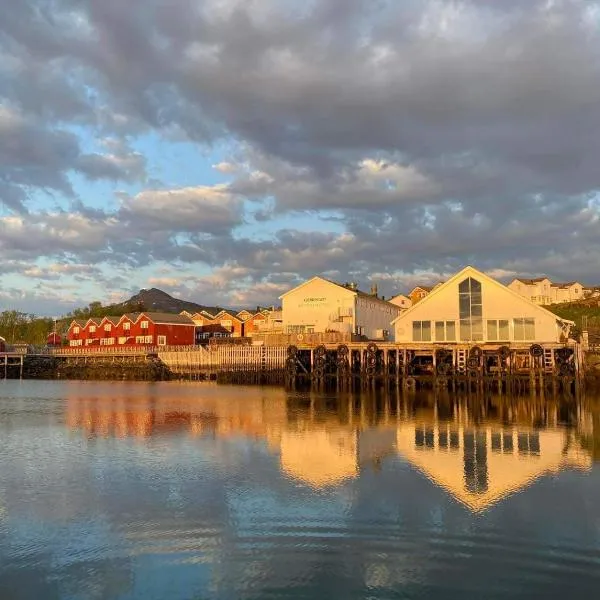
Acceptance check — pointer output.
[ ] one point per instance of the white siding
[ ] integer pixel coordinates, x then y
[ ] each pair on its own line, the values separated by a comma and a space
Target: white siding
498, 304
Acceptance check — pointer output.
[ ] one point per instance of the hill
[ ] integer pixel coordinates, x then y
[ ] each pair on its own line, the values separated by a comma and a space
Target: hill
152, 300
585, 313
156, 300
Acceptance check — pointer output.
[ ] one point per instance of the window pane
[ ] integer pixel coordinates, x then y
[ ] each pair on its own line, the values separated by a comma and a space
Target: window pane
454, 440
476, 309
450, 331
503, 330
492, 330
529, 329
463, 287
426, 331
464, 306
465, 330
519, 329
475, 287
429, 438
439, 331
476, 330
416, 331
507, 443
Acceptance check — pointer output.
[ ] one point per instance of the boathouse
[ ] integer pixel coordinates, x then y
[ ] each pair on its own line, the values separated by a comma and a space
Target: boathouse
473, 307
319, 306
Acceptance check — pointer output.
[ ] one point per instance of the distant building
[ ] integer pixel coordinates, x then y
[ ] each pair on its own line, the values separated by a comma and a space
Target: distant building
543, 291
420, 291
319, 305
132, 329
402, 301
473, 307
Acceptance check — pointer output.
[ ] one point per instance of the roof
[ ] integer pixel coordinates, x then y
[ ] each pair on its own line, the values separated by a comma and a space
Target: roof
472, 270
425, 288
357, 292
160, 317
567, 284
531, 281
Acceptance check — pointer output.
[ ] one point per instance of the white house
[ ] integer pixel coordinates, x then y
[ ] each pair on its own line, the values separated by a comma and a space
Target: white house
402, 301
543, 291
319, 305
473, 307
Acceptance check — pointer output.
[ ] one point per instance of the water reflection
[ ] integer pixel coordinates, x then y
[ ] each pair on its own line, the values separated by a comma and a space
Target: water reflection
479, 450
148, 491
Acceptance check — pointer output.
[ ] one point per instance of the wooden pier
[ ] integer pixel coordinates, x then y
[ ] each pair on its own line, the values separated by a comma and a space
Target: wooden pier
502, 368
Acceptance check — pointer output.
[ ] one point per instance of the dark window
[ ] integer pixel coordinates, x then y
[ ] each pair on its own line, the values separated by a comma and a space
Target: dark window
470, 309
507, 443
429, 439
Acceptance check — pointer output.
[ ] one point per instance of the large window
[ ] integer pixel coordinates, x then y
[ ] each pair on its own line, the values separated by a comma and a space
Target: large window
421, 331
470, 310
445, 331
524, 329
498, 330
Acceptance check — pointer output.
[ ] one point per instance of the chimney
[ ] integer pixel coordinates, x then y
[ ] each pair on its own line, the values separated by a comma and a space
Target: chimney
374, 290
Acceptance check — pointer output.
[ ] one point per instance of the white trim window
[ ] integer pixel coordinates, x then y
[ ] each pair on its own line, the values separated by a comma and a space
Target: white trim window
161, 340
421, 331
147, 339
126, 326
144, 324
76, 343
498, 330
445, 331
75, 330
107, 327
524, 329
92, 329
122, 340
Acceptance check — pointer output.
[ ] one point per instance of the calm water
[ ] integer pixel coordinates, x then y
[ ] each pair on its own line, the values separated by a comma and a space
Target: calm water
191, 491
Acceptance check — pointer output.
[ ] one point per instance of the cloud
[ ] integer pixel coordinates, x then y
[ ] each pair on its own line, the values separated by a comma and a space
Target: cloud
194, 209
401, 139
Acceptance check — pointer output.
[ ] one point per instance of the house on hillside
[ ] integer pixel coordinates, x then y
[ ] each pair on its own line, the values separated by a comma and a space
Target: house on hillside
404, 302
133, 329
472, 307
543, 291
319, 305
420, 291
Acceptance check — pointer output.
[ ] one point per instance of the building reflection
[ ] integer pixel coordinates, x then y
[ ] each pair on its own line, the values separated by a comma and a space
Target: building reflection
479, 451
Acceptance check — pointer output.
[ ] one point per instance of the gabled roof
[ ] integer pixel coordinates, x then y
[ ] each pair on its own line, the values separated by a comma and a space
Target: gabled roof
355, 292
158, 317
531, 281
480, 275
566, 285
226, 313
425, 288
78, 322
112, 320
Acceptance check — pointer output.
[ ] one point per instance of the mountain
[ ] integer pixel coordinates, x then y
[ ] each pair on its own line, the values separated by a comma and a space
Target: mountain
155, 300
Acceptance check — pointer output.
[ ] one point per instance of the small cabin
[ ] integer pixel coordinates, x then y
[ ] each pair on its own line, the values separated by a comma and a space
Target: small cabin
54, 340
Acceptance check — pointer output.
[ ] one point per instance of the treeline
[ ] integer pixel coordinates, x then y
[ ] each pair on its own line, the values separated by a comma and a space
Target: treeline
17, 326
96, 310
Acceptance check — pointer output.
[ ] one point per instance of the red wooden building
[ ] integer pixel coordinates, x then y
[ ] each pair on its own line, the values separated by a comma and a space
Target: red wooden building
133, 329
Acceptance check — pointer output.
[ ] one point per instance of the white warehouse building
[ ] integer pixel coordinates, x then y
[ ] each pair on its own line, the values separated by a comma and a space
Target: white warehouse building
473, 307
319, 305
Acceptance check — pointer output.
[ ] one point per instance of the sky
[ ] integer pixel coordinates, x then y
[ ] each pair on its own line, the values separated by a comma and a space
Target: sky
226, 150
